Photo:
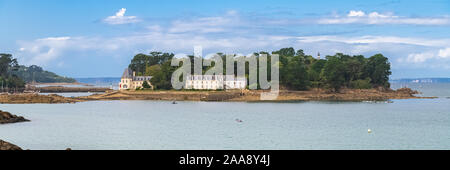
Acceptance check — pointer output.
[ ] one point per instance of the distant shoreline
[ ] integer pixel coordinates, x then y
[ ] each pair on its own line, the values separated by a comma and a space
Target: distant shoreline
421, 80
63, 88
58, 84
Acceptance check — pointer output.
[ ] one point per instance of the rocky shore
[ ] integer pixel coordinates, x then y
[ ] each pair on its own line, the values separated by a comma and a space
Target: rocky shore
6, 117
254, 95
230, 95
8, 146
26, 98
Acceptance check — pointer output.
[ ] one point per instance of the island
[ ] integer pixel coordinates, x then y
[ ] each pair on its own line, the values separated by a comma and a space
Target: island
15, 78
339, 77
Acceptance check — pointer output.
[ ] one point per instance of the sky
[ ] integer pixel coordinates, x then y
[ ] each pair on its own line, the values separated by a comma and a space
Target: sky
86, 38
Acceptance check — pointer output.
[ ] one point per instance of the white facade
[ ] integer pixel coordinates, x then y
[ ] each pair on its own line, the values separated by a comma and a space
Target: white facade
214, 82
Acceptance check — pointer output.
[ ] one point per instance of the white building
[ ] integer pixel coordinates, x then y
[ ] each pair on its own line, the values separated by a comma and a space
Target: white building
129, 80
214, 82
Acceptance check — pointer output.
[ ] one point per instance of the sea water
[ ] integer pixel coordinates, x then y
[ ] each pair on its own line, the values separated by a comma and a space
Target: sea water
400, 124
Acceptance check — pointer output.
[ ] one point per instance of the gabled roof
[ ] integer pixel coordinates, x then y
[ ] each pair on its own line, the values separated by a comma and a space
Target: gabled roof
128, 73
142, 78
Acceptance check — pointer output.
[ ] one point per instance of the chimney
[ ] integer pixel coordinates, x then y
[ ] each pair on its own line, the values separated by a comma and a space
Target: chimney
134, 74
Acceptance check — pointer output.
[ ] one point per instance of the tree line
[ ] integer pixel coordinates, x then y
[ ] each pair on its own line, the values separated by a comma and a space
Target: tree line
298, 71
37, 74
14, 76
8, 80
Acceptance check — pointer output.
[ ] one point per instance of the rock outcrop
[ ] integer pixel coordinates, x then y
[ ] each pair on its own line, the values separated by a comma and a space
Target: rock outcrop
407, 91
26, 98
8, 146
6, 117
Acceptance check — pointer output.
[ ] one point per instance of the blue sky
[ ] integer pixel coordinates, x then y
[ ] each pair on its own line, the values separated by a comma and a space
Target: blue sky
86, 38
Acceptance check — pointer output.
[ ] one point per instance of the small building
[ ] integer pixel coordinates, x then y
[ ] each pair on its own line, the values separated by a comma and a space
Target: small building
130, 81
214, 82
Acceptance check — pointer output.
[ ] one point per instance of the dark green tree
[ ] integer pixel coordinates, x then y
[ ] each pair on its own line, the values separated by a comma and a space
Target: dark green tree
145, 85
353, 68
8, 65
162, 79
297, 75
300, 53
378, 69
37, 74
285, 52
314, 73
333, 73
140, 62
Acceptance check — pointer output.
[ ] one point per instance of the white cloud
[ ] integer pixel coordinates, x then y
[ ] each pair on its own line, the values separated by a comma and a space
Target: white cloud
436, 55
375, 18
444, 53
120, 18
54, 39
45, 49
378, 15
419, 57
356, 14
206, 24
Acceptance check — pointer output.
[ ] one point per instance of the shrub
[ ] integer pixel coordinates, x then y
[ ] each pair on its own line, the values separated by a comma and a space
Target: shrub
361, 84
145, 85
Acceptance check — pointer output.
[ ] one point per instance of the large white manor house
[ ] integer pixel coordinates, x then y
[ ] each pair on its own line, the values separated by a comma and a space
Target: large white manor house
214, 82
130, 81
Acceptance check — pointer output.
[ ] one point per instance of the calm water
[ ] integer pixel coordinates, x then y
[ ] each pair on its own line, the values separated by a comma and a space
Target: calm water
427, 89
403, 124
